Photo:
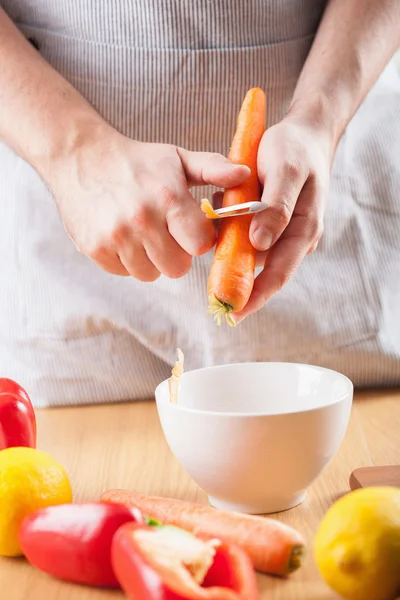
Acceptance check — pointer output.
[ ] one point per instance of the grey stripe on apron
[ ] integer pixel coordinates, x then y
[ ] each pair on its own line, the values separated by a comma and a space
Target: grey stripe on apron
176, 71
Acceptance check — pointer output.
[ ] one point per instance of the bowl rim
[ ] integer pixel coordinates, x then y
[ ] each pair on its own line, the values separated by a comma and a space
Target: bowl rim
234, 414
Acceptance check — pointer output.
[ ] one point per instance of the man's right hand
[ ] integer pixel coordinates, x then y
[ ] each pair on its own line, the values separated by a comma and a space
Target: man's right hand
127, 205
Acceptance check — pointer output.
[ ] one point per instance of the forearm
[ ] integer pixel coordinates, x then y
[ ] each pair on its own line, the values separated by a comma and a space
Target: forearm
355, 41
42, 117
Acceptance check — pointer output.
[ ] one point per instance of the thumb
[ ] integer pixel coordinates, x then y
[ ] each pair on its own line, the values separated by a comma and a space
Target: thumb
207, 168
282, 188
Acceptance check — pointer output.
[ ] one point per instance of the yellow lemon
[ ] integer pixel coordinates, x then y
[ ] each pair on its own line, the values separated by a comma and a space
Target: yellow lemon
29, 479
357, 546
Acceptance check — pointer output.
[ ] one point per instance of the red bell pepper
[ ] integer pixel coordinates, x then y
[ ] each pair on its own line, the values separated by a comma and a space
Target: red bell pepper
167, 563
73, 541
17, 417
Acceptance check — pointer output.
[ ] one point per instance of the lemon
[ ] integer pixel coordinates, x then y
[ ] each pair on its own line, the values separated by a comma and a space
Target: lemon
357, 546
29, 479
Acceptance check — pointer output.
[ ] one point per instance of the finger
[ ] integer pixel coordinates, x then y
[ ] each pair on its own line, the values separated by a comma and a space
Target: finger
261, 258
283, 182
109, 262
165, 253
206, 168
188, 225
283, 260
286, 255
113, 267
134, 258
313, 248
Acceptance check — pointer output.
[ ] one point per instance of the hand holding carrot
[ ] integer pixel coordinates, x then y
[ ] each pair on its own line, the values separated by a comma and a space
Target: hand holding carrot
294, 161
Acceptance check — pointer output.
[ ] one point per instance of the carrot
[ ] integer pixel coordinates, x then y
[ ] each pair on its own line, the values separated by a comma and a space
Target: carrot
208, 210
231, 277
273, 547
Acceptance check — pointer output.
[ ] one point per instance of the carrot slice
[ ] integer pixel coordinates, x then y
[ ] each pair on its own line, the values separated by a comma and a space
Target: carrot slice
231, 277
272, 546
208, 209
176, 374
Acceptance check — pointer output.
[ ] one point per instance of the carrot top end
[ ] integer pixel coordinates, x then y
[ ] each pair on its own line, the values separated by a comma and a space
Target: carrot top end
219, 310
296, 558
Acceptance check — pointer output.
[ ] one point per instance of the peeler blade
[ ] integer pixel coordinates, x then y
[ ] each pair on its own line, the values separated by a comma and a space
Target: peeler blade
238, 210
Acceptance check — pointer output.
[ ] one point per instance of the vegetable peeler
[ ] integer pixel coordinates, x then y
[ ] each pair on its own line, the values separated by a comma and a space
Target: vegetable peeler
237, 210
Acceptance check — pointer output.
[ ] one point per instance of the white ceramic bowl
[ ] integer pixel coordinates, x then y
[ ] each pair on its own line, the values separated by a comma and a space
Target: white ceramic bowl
254, 436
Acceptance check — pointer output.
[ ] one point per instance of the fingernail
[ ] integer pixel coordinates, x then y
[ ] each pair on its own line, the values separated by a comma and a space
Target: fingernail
240, 166
263, 238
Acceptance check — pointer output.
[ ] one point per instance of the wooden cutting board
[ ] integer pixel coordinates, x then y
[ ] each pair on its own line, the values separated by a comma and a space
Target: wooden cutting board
375, 476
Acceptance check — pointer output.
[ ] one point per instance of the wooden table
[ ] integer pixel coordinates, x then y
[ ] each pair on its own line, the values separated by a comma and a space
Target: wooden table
123, 446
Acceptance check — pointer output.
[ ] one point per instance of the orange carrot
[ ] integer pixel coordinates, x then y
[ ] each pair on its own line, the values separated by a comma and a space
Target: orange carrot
273, 547
231, 278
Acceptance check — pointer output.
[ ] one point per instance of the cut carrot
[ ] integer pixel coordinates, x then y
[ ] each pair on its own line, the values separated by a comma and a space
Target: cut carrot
273, 547
176, 374
231, 278
208, 209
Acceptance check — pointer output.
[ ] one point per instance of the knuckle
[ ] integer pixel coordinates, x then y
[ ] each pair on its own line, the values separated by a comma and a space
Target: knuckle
320, 231
83, 245
119, 233
94, 250
315, 229
315, 238
201, 245
216, 157
180, 270
280, 280
147, 276
141, 219
280, 213
293, 170
168, 197
81, 248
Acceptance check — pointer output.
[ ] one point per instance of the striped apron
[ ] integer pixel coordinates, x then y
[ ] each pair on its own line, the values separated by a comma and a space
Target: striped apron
176, 71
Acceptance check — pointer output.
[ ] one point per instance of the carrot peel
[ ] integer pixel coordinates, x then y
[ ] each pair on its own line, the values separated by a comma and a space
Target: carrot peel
176, 374
208, 210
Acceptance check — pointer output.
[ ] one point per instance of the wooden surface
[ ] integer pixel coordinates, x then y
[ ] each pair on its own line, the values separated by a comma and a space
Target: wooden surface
123, 446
